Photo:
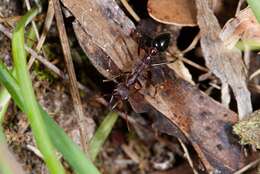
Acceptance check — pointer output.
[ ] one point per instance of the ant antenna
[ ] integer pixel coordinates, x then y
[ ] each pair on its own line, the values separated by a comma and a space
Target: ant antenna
165, 63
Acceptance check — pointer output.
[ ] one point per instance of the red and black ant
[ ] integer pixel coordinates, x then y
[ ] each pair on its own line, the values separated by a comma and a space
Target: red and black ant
152, 49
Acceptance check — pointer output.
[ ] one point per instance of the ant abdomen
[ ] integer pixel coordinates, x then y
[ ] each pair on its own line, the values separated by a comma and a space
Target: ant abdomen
162, 41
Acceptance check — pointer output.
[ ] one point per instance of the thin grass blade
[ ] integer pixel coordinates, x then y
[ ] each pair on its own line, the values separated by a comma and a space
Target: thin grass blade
255, 6
101, 134
30, 104
70, 151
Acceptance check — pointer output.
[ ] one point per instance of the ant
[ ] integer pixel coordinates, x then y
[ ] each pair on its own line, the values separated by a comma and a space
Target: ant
152, 48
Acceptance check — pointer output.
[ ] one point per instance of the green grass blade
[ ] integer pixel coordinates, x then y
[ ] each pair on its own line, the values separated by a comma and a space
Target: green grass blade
11, 85
70, 151
30, 37
4, 102
255, 6
4, 94
101, 134
252, 45
30, 104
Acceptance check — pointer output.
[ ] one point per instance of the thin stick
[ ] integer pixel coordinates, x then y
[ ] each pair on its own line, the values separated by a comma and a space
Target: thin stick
187, 155
35, 150
47, 25
71, 72
49, 17
185, 60
240, 2
254, 87
256, 73
28, 6
193, 44
247, 167
43, 60
130, 10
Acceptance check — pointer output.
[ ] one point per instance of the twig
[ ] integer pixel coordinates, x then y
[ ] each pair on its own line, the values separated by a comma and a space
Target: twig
35, 150
247, 167
43, 60
240, 2
215, 86
256, 73
47, 25
186, 154
185, 60
71, 72
254, 87
193, 44
28, 6
130, 10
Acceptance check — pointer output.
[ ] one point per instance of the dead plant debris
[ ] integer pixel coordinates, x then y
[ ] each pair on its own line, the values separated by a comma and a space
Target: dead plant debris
176, 75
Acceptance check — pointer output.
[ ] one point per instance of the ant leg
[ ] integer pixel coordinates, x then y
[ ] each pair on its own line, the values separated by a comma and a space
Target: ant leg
115, 105
111, 101
112, 79
112, 104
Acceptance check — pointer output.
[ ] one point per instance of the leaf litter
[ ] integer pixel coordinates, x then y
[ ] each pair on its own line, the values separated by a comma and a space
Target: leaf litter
176, 108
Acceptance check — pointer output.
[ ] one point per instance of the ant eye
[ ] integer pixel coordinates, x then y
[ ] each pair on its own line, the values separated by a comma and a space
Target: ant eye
161, 42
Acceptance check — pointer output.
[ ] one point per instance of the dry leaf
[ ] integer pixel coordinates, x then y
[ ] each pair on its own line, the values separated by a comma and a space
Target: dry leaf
203, 121
175, 12
182, 71
103, 39
226, 64
244, 26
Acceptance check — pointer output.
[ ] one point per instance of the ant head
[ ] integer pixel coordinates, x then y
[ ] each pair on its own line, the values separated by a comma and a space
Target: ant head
161, 42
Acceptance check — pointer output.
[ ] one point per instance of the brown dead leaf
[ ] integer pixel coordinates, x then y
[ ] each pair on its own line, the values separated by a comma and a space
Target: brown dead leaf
175, 12
182, 71
244, 26
104, 39
226, 64
203, 121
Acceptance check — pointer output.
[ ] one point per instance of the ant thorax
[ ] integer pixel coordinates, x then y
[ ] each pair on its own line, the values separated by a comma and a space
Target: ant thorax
122, 91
